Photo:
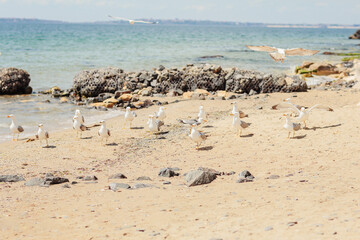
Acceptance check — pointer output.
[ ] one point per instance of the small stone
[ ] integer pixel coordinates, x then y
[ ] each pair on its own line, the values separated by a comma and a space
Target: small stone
142, 185
90, 178
167, 172
268, 228
35, 182
11, 178
118, 176
290, 224
259, 108
144, 178
166, 182
245, 176
66, 186
273, 177
117, 186
199, 177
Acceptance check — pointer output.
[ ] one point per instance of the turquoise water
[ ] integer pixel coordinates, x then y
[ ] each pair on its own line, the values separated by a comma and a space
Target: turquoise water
54, 53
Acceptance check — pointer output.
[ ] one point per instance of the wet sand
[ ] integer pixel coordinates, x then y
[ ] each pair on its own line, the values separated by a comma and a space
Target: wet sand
315, 197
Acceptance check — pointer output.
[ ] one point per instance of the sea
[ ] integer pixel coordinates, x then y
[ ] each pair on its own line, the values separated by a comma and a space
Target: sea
53, 53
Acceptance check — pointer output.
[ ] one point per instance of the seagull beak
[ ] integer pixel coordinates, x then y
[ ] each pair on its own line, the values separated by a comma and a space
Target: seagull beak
205, 120
231, 114
284, 115
8, 116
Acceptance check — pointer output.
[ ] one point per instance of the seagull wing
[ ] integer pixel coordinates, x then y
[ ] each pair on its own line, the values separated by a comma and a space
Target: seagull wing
287, 105
262, 48
118, 18
320, 107
277, 56
134, 114
140, 21
300, 52
83, 120
46, 134
108, 132
20, 129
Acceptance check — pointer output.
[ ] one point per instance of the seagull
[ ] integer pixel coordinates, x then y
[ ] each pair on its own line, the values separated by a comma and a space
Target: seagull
80, 117
42, 135
14, 128
161, 114
154, 124
302, 113
197, 136
131, 21
238, 124
129, 116
279, 54
103, 131
192, 121
77, 126
285, 104
202, 114
236, 110
290, 126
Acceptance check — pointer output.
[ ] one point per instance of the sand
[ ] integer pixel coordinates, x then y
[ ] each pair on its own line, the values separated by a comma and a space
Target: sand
315, 197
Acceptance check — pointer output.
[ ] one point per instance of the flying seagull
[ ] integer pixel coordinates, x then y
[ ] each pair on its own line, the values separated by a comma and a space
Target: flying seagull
279, 54
131, 21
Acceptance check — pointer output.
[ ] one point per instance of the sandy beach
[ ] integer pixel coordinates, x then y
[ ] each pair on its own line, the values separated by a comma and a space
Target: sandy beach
314, 196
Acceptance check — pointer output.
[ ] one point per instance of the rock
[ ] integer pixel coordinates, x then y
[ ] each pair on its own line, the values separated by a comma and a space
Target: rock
118, 176
66, 186
111, 100
126, 97
306, 64
35, 182
356, 35
167, 172
209, 170
273, 177
322, 69
187, 95
14, 81
11, 178
89, 178
198, 96
64, 100
144, 178
268, 228
117, 186
199, 177
166, 182
245, 176
252, 92
146, 91
142, 185
202, 91
212, 56
50, 179
290, 224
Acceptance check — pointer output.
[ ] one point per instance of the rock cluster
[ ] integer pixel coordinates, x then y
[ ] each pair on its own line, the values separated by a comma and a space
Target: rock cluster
14, 81
91, 83
356, 35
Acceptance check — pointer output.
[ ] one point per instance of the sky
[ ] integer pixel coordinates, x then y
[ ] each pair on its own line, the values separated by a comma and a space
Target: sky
264, 11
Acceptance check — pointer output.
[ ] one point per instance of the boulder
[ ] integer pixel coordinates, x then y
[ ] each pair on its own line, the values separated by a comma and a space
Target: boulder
199, 177
118, 176
323, 69
167, 172
187, 95
245, 176
126, 97
11, 178
117, 186
14, 81
356, 35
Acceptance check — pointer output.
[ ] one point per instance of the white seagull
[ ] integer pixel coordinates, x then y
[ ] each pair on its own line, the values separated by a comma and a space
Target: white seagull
131, 21
197, 136
103, 131
279, 54
78, 127
14, 127
154, 124
42, 134
236, 110
129, 116
161, 114
238, 124
290, 126
80, 116
285, 104
202, 114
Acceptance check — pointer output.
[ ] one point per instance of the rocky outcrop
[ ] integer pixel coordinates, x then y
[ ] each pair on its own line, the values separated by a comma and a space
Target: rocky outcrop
212, 78
356, 35
14, 81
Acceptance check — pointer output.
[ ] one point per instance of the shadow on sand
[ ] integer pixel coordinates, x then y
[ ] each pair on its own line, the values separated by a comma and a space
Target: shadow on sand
136, 128
299, 137
330, 126
112, 144
248, 135
207, 148
50, 146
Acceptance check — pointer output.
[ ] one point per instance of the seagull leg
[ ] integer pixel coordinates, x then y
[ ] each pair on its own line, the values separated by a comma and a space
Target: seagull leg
293, 134
130, 124
47, 143
13, 138
124, 125
17, 139
289, 135
305, 124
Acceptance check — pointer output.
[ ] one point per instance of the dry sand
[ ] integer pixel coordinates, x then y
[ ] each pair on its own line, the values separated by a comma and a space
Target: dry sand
321, 195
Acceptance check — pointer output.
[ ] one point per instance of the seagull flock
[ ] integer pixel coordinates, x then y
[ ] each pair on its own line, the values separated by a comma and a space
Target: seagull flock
156, 121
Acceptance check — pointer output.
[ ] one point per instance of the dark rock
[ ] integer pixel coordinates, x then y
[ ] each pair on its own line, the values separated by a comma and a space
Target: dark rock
245, 176
209, 170
161, 68
167, 172
11, 178
356, 35
50, 179
199, 177
14, 81
117, 176
166, 182
88, 178
144, 178
290, 224
117, 186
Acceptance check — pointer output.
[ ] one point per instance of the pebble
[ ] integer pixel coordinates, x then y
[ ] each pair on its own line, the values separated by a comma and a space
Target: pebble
118, 176
273, 177
144, 178
268, 228
290, 224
